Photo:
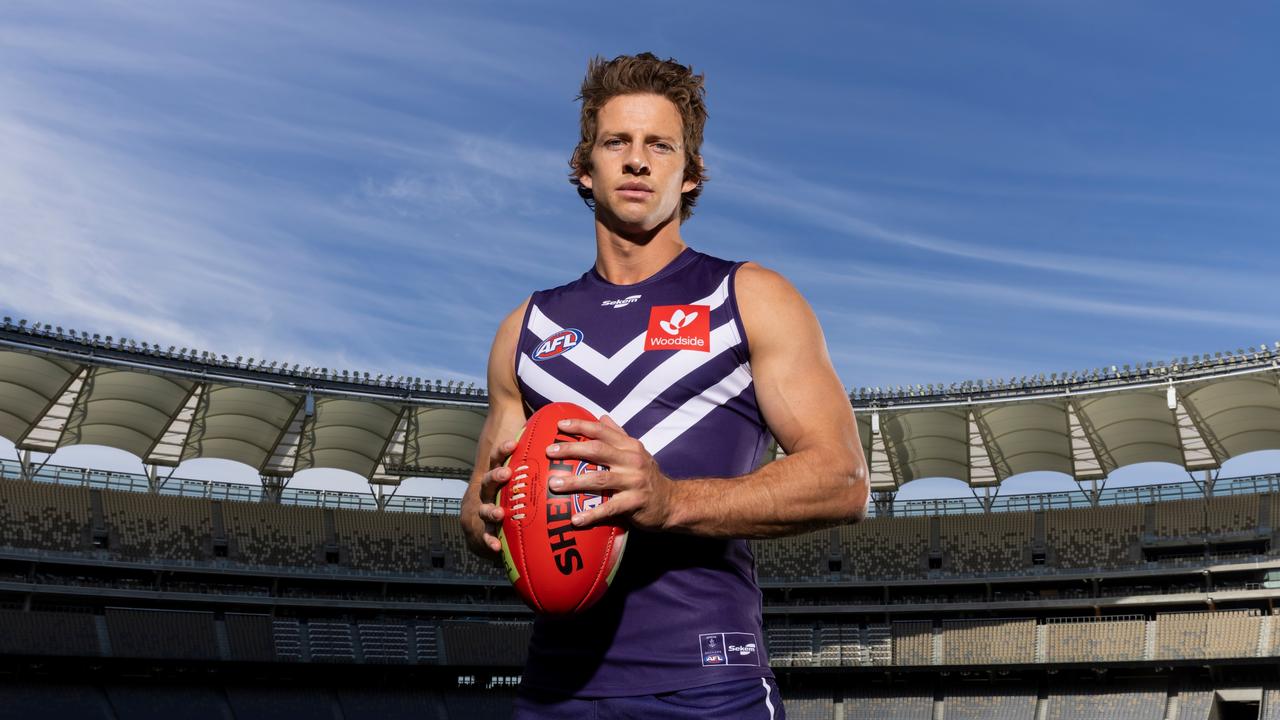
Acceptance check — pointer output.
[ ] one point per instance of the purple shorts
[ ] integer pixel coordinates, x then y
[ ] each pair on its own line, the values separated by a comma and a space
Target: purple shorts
754, 699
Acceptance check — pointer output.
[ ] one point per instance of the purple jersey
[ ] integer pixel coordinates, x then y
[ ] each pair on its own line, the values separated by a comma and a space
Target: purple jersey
667, 359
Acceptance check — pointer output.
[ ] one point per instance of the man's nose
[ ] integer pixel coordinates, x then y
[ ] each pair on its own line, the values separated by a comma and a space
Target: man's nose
637, 163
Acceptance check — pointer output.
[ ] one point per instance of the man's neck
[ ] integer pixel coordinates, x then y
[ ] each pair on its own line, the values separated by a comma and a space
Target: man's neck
625, 259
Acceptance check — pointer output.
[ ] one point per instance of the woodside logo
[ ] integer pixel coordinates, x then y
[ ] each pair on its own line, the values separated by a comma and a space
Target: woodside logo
679, 327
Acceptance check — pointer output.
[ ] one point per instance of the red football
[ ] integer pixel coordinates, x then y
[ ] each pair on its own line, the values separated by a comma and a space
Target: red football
556, 567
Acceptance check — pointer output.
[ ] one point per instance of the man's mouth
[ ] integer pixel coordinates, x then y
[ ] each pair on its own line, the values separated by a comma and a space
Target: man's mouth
634, 191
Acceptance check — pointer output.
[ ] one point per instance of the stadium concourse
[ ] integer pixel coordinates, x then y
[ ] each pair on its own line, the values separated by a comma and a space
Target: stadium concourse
147, 595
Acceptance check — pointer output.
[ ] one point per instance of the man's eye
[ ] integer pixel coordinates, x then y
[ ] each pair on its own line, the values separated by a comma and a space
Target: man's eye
664, 147
613, 143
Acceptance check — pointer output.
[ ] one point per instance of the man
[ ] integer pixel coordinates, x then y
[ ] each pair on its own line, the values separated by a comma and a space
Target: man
690, 362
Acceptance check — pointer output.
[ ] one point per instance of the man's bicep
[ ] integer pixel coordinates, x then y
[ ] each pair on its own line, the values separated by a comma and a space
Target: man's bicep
799, 394
506, 409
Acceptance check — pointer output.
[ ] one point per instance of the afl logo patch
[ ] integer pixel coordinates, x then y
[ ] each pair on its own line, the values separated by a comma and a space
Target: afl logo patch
558, 344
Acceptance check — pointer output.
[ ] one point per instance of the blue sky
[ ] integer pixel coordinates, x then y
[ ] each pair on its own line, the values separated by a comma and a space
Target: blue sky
962, 190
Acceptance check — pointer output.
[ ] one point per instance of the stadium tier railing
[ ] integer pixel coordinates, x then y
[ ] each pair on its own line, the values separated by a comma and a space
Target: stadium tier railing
188, 487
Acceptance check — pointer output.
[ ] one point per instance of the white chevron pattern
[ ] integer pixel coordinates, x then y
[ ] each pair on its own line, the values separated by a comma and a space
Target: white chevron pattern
657, 381
607, 369
688, 414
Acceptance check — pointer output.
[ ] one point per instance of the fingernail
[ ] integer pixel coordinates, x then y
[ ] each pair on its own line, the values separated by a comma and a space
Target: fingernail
557, 483
553, 449
565, 423
578, 519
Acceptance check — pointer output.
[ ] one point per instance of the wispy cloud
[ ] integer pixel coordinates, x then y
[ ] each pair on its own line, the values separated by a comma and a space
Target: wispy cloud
374, 187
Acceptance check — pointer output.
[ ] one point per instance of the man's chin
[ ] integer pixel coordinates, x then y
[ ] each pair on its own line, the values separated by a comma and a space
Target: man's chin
637, 224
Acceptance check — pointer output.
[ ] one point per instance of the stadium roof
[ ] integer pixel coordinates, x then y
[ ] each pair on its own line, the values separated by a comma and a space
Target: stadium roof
60, 388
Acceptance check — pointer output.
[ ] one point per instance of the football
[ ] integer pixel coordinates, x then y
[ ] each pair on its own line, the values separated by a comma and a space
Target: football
557, 568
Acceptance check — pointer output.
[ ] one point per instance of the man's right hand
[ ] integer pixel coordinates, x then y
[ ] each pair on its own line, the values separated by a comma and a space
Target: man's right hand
490, 514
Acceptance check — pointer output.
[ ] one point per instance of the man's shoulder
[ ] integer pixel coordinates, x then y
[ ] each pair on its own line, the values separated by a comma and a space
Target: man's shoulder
752, 278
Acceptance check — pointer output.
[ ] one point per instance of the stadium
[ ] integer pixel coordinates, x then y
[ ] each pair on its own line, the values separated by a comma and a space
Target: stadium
149, 595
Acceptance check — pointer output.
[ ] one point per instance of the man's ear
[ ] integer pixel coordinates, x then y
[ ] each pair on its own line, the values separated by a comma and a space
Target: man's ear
584, 178
691, 184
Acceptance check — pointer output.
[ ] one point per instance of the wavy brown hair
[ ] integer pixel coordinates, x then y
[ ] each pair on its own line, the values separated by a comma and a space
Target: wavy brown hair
639, 74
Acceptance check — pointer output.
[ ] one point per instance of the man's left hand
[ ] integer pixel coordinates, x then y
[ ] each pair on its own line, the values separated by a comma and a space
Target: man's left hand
640, 495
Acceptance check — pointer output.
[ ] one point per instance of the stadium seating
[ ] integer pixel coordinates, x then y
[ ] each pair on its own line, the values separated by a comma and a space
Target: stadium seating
330, 641
987, 702
802, 557
249, 637
883, 548
809, 705
286, 639
1180, 519
1232, 634
492, 644
383, 541
43, 516
878, 640
144, 526
278, 535
986, 544
1194, 704
426, 643
459, 559
1094, 639
384, 642
148, 527
988, 641
887, 705
162, 634
913, 642
1106, 538
1118, 703
840, 645
1270, 709
38, 632
1233, 514
790, 646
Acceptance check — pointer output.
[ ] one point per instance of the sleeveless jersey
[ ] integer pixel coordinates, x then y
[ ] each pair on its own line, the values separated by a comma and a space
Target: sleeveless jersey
667, 359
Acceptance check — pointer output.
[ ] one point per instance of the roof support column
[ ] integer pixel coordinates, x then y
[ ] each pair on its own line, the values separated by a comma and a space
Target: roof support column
1094, 493
154, 481
1210, 478
381, 494
883, 500
273, 487
28, 467
987, 500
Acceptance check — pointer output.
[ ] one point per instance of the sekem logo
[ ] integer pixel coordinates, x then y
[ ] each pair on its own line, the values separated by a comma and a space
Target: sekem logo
679, 327
618, 304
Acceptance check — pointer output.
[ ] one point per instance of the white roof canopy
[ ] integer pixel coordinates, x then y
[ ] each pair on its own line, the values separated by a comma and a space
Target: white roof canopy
55, 393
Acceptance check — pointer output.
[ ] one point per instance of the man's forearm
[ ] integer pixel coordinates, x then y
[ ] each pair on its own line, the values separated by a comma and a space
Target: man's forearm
805, 491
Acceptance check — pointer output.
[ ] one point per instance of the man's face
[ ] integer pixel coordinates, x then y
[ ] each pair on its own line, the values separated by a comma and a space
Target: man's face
637, 162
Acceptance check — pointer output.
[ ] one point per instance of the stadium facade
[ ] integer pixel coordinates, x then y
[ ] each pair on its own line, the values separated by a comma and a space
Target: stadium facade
139, 595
